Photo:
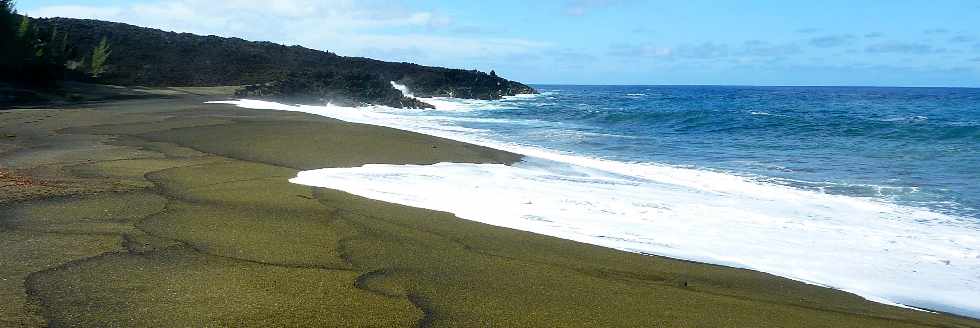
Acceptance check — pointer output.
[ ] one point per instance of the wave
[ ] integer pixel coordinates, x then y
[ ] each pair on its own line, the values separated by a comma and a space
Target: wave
403, 89
884, 252
906, 119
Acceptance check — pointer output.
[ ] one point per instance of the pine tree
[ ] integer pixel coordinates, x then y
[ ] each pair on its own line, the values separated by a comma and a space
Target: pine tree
8, 35
51, 46
24, 30
8, 16
28, 48
28, 58
63, 47
99, 57
6, 6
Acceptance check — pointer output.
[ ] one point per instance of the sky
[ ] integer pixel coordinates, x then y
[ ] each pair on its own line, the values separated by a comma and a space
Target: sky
655, 42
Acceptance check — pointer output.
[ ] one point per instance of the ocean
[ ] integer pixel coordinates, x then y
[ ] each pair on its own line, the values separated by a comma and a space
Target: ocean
874, 191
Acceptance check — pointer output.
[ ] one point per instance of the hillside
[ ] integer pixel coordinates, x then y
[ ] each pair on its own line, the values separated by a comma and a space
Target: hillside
152, 57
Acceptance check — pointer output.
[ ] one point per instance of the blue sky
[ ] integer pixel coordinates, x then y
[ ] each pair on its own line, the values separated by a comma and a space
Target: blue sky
735, 42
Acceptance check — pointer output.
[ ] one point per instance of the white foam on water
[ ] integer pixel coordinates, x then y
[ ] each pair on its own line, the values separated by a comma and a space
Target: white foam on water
404, 89
888, 253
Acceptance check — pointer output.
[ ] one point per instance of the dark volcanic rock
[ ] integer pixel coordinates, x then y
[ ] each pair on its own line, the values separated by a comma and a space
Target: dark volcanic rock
461, 84
347, 89
151, 57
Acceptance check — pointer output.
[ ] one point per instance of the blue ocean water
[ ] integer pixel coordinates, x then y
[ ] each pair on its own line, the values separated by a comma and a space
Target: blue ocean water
912, 146
874, 191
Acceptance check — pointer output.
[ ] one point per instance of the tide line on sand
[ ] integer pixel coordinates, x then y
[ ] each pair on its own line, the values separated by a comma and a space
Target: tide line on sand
898, 255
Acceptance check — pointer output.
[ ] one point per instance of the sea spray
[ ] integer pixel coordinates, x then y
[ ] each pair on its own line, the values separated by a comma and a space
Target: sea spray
404, 89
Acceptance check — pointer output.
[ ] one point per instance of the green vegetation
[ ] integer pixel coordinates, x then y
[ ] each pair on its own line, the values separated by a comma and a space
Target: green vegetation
180, 214
151, 57
41, 57
99, 57
12, 33
44, 53
23, 32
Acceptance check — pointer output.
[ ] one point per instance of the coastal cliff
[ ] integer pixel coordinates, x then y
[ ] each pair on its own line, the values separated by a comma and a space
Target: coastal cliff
155, 58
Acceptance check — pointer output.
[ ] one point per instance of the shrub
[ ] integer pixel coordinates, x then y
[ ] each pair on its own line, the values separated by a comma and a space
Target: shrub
99, 57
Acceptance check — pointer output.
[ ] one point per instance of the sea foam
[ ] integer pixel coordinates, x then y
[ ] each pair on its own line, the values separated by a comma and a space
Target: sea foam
888, 253
403, 89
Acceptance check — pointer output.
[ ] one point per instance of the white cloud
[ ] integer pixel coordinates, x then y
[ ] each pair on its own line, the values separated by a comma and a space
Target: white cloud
77, 12
753, 51
348, 27
198, 15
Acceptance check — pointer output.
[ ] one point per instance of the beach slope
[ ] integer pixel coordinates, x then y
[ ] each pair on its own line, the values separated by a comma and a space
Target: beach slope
171, 212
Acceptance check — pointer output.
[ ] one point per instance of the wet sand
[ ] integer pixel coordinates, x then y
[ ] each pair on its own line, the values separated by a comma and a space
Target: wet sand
170, 212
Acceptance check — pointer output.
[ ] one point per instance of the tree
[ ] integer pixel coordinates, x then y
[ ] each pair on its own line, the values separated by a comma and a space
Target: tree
99, 57
8, 35
8, 17
26, 50
24, 30
52, 47
6, 6
28, 57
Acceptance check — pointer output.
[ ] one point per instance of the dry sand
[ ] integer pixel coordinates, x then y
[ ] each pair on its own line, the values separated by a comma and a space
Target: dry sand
170, 212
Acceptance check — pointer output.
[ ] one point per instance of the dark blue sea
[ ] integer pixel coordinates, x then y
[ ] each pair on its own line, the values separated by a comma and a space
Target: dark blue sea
874, 191
915, 146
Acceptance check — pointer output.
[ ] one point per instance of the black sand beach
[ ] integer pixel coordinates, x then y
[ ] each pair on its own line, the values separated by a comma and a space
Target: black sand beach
164, 211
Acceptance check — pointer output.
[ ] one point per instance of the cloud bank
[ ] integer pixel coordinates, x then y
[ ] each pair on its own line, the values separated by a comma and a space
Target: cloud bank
577, 41
385, 30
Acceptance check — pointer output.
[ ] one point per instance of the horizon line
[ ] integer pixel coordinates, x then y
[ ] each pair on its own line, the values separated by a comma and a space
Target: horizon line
759, 85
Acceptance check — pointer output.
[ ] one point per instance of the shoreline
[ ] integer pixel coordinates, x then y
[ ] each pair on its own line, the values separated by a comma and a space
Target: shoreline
197, 193
387, 184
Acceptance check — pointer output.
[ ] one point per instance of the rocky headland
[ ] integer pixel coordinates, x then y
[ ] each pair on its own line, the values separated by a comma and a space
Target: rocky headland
155, 58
